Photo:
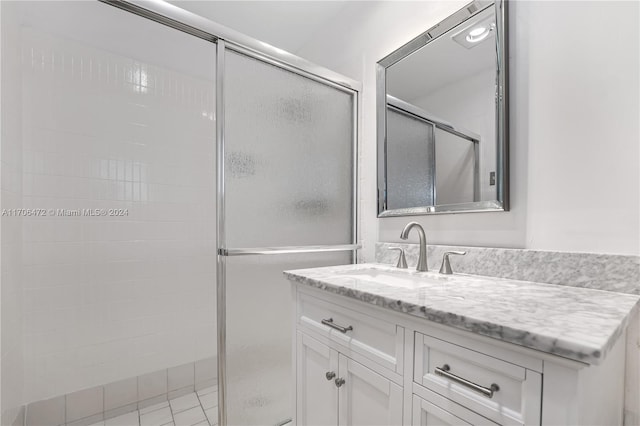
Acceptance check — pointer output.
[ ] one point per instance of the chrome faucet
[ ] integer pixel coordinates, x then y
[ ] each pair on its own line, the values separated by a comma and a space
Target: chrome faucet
422, 257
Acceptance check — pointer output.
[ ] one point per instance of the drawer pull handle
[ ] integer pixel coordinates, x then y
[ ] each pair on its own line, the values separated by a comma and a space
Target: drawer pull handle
340, 328
330, 375
488, 392
339, 382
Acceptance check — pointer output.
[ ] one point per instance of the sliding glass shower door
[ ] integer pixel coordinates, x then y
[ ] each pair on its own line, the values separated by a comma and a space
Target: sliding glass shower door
288, 187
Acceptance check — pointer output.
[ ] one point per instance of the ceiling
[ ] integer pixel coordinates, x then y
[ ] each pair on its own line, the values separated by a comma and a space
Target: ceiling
98, 26
441, 63
287, 25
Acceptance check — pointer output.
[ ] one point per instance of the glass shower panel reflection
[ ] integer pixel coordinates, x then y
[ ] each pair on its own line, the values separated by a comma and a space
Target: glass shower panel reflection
288, 159
259, 331
410, 167
456, 174
118, 117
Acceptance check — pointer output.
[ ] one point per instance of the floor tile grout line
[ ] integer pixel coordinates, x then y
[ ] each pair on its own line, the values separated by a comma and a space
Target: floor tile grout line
138, 399
203, 410
139, 414
169, 401
152, 411
104, 411
184, 409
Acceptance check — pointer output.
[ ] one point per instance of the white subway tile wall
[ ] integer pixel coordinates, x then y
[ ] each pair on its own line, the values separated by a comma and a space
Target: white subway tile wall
120, 393
84, 403
114, 296
180, 377
50, 411
152, 384
206, 371
11, 355
114, 402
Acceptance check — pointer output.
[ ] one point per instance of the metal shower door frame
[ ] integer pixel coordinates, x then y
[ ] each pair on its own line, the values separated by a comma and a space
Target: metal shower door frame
228, 39
223, 250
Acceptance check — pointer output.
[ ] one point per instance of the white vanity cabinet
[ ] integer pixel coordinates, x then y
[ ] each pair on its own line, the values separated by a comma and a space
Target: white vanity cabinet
346, 377
361, 364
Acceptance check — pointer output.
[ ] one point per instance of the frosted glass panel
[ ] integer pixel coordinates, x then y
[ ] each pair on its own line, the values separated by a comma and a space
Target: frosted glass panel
259, 329
410, 164
289, 159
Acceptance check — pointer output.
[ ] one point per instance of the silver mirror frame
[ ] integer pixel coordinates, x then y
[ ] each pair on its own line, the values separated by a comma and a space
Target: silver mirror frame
502, 112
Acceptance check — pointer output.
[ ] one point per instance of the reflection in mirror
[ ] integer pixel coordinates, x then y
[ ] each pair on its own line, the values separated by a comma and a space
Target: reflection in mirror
442, 117
410, 177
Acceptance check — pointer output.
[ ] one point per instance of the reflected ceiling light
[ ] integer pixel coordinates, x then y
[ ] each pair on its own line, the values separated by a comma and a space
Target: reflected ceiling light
474, 33
478, 34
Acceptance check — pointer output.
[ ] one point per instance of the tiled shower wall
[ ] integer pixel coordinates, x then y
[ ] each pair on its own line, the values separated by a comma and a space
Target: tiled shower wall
115, 296
92, 405
11, 368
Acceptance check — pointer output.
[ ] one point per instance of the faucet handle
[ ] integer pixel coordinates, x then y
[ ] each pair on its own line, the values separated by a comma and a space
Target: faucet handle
402, 260
445, 268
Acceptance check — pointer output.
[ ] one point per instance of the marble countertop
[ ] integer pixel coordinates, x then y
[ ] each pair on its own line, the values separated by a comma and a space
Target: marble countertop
576, 323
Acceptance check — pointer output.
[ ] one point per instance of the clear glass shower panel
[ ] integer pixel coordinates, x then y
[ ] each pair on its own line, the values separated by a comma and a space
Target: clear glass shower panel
259, 332
288, 159
119, 149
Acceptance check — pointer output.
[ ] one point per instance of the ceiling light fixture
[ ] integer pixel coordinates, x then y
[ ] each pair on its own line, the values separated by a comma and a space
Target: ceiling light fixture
476, 31
478, 34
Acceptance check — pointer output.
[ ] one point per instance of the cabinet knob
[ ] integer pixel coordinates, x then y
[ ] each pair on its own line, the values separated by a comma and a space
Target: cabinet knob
330, 375
339, 382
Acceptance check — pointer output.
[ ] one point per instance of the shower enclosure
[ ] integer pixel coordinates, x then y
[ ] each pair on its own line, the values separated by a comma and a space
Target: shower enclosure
180, 167
287, 191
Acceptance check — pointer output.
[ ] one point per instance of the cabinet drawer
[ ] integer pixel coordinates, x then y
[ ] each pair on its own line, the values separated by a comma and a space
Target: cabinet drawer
466, 376
378, 340
435, 410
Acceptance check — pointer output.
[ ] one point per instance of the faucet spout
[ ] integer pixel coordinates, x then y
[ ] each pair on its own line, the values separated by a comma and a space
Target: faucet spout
422, 257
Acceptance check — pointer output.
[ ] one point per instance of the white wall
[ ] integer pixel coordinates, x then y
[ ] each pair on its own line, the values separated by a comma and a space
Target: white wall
584, 178
11, 352
575, 180
113, 297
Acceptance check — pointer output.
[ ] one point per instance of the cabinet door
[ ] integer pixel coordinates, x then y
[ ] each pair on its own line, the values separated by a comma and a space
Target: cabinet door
436, 410
366, 398
316, 392
428, 414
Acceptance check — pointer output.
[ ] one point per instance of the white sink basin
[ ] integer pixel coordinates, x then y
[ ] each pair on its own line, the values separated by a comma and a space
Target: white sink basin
400, 278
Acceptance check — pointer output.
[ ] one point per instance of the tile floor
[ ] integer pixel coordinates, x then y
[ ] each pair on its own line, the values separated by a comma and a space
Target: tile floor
197, 408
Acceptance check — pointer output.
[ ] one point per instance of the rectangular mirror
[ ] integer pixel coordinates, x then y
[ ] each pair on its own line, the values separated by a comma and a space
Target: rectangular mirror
442, 117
